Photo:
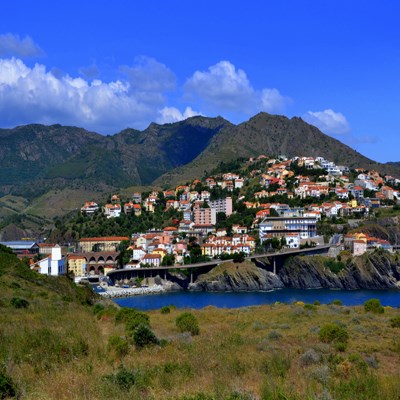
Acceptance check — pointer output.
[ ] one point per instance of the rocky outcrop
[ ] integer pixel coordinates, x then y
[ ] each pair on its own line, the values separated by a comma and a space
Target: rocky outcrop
372, 271
237, 277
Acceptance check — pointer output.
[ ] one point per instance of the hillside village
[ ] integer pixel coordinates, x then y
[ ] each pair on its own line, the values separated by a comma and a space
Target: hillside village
245, 207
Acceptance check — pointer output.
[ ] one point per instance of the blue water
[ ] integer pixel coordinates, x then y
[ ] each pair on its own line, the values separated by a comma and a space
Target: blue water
243, 299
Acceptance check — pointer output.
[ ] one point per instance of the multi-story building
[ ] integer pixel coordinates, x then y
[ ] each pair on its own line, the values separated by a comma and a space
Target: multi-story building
280, 226
77, 264
112, 210
90, 207
204, 216
96, 244
222, 205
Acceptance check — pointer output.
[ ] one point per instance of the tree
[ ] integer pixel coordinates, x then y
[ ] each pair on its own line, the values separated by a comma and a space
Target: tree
239, 257
169, 259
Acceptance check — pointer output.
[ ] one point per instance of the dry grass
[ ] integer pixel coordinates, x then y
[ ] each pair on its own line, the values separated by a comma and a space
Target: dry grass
255, 352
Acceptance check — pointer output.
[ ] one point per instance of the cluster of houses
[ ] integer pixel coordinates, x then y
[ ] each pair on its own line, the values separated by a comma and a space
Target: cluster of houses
335, 181
360, 243
332, 194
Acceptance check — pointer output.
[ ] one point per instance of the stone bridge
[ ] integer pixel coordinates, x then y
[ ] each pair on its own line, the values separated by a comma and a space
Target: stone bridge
277, 259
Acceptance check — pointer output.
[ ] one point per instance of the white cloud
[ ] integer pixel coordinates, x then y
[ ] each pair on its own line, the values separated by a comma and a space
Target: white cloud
147, 74
172, 114
224, 88
13, 45
35, 95
328, 121
38, 95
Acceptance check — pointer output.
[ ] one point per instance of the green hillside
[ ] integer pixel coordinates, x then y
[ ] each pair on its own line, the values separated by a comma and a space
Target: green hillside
54, 344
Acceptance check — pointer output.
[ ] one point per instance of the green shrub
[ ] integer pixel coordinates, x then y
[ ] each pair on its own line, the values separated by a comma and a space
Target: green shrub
340, 346
187, 322
335, 266
310, 307
374, 306
165, 310
135, 320
17, 302
333, 333
337, 302
395, 322
97, 308
7, 386
143, 336
317, 303
124, 314
118, 345
124, 378
108, 312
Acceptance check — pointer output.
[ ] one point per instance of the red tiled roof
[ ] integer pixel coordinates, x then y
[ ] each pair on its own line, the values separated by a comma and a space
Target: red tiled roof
105, 239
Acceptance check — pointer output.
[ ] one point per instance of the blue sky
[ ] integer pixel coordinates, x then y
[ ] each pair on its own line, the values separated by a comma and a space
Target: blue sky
109, 65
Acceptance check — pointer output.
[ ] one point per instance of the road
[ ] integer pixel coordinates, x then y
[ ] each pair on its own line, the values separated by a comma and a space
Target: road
218, 261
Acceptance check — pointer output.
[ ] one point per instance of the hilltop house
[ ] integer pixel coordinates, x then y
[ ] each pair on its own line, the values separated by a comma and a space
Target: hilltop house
90, 207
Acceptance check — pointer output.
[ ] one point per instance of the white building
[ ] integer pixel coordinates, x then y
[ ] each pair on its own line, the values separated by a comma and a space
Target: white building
222, 205
112, 210
52, 265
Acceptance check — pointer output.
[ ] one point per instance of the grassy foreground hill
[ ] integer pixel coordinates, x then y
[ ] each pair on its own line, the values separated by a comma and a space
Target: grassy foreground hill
54, 344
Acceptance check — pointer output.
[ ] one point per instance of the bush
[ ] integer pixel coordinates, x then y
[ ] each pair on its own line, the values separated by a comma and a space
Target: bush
132, 319
143, 336
7, 386
309, 357
118, 345
335, 266
140, 318
333, 333
97, 308
187, 322
124, 378
274, 335
107, 313
337, 302
395, 322
165, 310
124, 314
374, 306
17, 302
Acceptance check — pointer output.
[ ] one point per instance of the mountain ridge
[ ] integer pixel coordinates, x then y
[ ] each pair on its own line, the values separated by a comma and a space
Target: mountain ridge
271, 135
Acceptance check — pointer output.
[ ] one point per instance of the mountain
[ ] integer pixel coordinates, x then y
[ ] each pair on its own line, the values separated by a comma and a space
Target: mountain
57, 156
272, 135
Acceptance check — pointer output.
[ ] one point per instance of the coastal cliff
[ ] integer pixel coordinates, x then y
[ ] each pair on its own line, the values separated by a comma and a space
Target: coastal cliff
372, 271
237, 277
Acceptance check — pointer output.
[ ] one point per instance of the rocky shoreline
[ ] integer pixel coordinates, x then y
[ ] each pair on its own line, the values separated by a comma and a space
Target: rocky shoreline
372, 271
378, 271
